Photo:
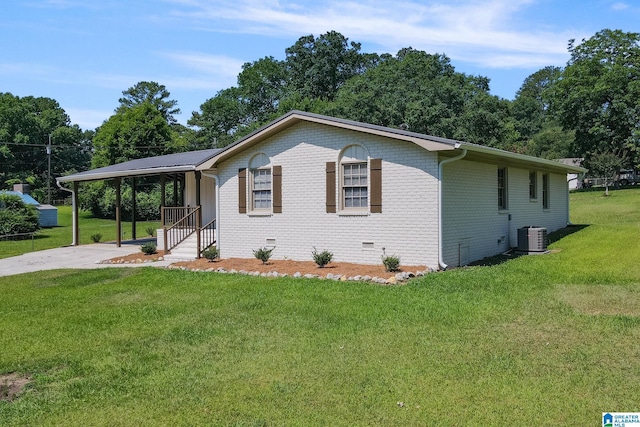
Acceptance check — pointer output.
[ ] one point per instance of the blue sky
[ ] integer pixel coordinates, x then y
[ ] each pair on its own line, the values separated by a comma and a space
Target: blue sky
84, 53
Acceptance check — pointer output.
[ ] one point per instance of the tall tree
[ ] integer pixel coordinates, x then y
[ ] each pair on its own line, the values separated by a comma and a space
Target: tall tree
153, 93
318, 67
221, 119
423, 93
261, 86
25, 127
598, 95
137, 132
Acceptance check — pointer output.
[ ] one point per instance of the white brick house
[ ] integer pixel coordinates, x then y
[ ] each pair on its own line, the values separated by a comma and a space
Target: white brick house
362, 191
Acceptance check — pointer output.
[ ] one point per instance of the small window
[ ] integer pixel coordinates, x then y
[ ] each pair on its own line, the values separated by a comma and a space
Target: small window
502, 188
545, 191
533, 185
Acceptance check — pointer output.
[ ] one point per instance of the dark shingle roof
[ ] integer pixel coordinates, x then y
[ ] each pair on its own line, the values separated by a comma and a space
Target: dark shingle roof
170, 163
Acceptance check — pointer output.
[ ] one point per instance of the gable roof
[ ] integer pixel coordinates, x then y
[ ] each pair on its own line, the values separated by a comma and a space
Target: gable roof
169, 163
207, 159
446, 147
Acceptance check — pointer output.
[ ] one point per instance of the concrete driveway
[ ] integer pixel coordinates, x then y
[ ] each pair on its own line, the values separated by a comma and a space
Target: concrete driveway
84, 256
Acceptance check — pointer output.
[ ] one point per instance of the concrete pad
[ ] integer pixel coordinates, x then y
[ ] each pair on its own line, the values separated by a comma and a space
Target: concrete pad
83, 256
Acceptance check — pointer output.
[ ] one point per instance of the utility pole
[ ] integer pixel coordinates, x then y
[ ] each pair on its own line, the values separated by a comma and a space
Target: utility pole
49, 171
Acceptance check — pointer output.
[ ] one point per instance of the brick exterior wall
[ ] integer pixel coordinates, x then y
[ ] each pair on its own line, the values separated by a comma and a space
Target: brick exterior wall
474, 228
407, 226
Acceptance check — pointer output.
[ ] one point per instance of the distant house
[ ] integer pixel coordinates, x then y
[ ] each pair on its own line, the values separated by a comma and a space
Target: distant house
573, 178
358, 190
48, 215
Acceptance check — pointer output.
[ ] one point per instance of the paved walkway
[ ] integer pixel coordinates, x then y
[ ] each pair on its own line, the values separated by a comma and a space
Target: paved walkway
84, 256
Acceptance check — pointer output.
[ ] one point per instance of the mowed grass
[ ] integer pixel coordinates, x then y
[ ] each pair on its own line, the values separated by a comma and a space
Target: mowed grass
62, 235
537, 340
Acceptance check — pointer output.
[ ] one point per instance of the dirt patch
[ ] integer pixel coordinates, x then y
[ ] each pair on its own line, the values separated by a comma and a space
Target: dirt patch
612, 300
11, 385
291, 267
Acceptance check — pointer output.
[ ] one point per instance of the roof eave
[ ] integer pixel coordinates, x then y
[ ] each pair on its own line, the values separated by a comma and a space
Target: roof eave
125, 173
507, 155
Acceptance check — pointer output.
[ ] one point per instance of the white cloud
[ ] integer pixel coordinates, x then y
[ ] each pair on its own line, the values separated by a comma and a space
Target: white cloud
489, 27
619, 6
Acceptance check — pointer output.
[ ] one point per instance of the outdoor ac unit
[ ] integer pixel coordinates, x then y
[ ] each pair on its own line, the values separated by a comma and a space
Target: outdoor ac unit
532, 239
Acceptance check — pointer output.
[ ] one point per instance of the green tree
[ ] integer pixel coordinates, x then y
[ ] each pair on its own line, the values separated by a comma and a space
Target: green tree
136, 132
26, 124
152, 93
423, 93
598, 95
318, 67
261, 87
221, 119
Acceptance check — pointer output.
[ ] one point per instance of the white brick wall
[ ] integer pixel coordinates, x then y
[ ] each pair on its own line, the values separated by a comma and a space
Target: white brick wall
407, 226
472, 221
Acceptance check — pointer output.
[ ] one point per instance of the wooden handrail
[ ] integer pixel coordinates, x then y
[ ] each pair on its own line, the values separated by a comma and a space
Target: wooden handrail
207, 235
182, 228
174, 214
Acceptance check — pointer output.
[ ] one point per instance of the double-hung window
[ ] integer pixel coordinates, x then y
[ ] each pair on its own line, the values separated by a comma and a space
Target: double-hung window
533, 185
502, 189
545, 191
261, 191
355, 187
260, 182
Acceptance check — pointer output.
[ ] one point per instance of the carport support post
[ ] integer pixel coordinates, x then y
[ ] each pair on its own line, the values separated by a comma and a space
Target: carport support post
175, 190
76, 227
133, 208
163, 198
118, 222
199, 215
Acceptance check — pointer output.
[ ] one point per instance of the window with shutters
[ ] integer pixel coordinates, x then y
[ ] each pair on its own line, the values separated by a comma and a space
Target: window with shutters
260, 182
354, 179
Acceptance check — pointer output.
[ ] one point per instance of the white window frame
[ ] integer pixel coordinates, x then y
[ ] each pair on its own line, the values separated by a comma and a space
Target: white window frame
351, 156
503, 189
546, 184
533, 185
260, 183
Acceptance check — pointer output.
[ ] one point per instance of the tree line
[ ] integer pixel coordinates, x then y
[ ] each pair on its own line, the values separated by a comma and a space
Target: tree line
590, 108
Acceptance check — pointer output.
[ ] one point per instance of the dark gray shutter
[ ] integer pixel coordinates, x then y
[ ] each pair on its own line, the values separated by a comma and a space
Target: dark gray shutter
242, 190
376, 185
331, 187
277, 189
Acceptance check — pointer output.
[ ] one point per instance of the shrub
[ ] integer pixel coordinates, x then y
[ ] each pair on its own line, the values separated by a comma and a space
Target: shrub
96, 237
148, 248
16, 216
321, 258
263, 254
211, 253
150, 231
391, 263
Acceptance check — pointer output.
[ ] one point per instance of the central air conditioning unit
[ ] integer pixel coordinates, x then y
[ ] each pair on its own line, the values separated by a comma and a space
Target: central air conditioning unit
532, 239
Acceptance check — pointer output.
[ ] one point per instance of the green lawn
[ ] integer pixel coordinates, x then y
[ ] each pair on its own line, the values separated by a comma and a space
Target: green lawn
537, 340
55, 237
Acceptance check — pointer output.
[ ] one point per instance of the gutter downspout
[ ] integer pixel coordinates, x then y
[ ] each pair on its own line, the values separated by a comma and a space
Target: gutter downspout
440, 165
217, 194
74, 241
